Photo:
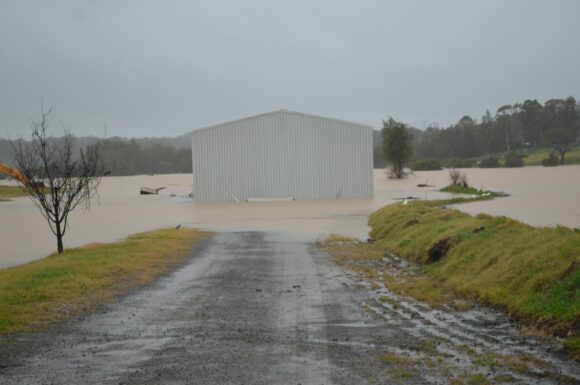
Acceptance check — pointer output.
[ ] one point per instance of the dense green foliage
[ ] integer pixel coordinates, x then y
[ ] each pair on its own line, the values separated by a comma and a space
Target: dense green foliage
397, 145
532, 272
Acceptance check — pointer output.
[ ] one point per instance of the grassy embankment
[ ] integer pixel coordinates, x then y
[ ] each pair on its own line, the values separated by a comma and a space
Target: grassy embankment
72, 283
9, 192
531, 272
535, 157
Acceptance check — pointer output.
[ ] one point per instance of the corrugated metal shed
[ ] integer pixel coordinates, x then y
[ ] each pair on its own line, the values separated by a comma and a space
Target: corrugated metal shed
282, 155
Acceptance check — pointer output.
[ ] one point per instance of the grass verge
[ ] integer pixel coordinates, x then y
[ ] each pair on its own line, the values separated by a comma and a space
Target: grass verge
533, 273
68, 284
9, 192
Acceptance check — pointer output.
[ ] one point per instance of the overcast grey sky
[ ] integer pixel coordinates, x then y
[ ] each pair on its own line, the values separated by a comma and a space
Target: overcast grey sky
162, 68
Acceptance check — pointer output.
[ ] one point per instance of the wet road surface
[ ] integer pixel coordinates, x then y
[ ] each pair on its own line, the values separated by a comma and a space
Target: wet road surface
248, 308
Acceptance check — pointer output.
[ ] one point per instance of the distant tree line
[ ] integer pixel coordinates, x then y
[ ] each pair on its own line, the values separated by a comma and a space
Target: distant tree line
122, 156
130, 158
554, 124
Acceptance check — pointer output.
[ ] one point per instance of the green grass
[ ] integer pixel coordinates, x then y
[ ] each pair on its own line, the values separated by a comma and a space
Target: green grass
535, 157
394, 359
9, 192
533, 273
458, 189
480, 194
63, 285
572, 346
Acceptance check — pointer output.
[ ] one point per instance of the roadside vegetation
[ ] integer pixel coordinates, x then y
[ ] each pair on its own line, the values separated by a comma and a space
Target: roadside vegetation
533, 273
71, 283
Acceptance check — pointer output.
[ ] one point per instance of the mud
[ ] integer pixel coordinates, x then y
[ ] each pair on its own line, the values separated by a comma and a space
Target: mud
477, 344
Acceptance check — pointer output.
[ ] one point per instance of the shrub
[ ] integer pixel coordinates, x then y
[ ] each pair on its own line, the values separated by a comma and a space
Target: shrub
426, 165
458, 178
513, 160
550, 161
490, 162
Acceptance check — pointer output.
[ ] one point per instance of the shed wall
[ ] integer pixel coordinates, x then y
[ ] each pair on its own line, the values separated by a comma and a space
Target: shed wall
282, 155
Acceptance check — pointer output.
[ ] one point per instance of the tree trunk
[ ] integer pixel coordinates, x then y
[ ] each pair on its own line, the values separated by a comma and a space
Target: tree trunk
60, 247
398, 170
562, 154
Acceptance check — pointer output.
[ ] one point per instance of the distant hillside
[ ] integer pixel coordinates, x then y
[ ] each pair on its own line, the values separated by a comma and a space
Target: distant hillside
132, 156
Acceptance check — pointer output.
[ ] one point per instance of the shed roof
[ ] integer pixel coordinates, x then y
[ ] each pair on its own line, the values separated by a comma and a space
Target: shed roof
277, 112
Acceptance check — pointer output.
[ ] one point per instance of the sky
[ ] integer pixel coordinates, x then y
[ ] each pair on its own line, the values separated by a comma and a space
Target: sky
163, 68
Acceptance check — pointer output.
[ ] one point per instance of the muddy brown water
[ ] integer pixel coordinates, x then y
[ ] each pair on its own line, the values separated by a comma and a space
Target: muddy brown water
538, 195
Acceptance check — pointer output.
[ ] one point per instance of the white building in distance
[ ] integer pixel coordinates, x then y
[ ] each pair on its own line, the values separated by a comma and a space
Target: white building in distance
282, 155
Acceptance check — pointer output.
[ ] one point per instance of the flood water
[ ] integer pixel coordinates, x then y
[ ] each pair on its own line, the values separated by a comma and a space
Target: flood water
538, 195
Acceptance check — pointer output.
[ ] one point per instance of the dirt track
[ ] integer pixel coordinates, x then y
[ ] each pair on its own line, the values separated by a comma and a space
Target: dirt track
257, 308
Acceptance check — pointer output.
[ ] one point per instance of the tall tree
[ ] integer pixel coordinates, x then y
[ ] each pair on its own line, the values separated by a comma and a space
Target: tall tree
532, 122
397, 145
564, 124
58, 176
507, 118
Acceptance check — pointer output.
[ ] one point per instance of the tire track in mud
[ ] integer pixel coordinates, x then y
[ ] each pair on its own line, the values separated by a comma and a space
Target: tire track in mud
478, 341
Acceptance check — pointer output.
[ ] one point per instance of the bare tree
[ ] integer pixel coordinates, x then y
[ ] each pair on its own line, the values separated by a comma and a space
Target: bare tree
58, 176
458, 178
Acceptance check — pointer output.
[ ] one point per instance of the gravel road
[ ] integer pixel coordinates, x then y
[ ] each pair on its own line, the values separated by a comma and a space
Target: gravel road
247, 308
